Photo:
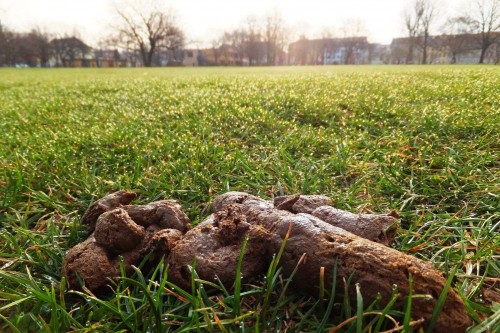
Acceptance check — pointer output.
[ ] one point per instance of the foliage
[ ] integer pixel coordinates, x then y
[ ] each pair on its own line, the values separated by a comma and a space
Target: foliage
422, 141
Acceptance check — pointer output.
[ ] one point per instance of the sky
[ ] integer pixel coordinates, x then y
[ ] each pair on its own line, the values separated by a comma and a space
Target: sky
205, 20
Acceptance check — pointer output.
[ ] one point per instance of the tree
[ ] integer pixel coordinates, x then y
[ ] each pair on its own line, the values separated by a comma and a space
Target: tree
261, 41
412, 25
419, 20
236, 39
301, 50
275, 37
149, 29
3, 44
428, 16
68, 49
485, 21
8, 47
248, 42
253, 44
36, 48
217, 50
480, 24
457, 36
352, 31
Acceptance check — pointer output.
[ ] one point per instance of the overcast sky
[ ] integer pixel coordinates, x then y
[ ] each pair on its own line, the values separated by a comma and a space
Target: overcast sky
204, 20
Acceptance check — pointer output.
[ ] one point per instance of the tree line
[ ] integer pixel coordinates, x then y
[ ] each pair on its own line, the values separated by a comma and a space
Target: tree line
479, 24
147, 31
29, 48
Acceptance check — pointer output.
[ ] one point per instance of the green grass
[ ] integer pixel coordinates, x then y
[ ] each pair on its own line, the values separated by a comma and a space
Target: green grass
423, 141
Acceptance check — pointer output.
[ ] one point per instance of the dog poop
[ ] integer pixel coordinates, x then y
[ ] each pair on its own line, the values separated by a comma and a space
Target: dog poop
122, 231
356, 245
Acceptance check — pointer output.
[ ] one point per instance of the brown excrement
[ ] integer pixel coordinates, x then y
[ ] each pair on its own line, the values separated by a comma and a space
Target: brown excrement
327, 237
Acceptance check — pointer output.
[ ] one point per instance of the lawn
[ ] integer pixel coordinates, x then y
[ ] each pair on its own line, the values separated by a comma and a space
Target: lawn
422, 140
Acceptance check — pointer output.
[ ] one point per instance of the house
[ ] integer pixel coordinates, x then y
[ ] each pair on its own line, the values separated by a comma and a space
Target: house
131, 58
248, 53
71, 52
108, 58
228, 55
199, 57
224, 55
378, 54
167, 57
190, 58
443, 49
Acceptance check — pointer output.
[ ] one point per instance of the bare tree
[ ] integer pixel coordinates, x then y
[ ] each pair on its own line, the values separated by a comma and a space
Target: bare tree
253, 45
216, 50
4, 44
485, 21
259, 41
419, 20
327, 33
412, 24
299, 52
32, 49
275, 37
149, 29
13, 48
38, 47
352, 30
458, 36
237, 40
429, 12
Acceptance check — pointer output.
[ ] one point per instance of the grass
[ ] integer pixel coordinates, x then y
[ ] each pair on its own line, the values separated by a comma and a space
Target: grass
421, 140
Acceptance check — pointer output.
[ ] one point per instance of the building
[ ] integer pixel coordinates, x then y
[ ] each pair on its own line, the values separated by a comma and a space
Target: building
71, 52
443, 49
224, 55
108, 58
329, 51
379, 54
250, 53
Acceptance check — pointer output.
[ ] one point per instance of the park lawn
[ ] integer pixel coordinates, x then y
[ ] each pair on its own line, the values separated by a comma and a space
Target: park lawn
420, 140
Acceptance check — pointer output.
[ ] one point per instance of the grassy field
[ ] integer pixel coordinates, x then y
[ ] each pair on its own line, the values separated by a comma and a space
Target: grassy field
423, 141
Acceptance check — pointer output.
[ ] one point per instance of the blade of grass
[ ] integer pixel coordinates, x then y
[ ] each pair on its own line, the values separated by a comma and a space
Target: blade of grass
271, 278
331, 300
237, 283
440, 302
385, 311
359, 311
408, 305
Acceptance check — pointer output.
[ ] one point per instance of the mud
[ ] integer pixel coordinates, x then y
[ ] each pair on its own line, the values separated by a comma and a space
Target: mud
354, 244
